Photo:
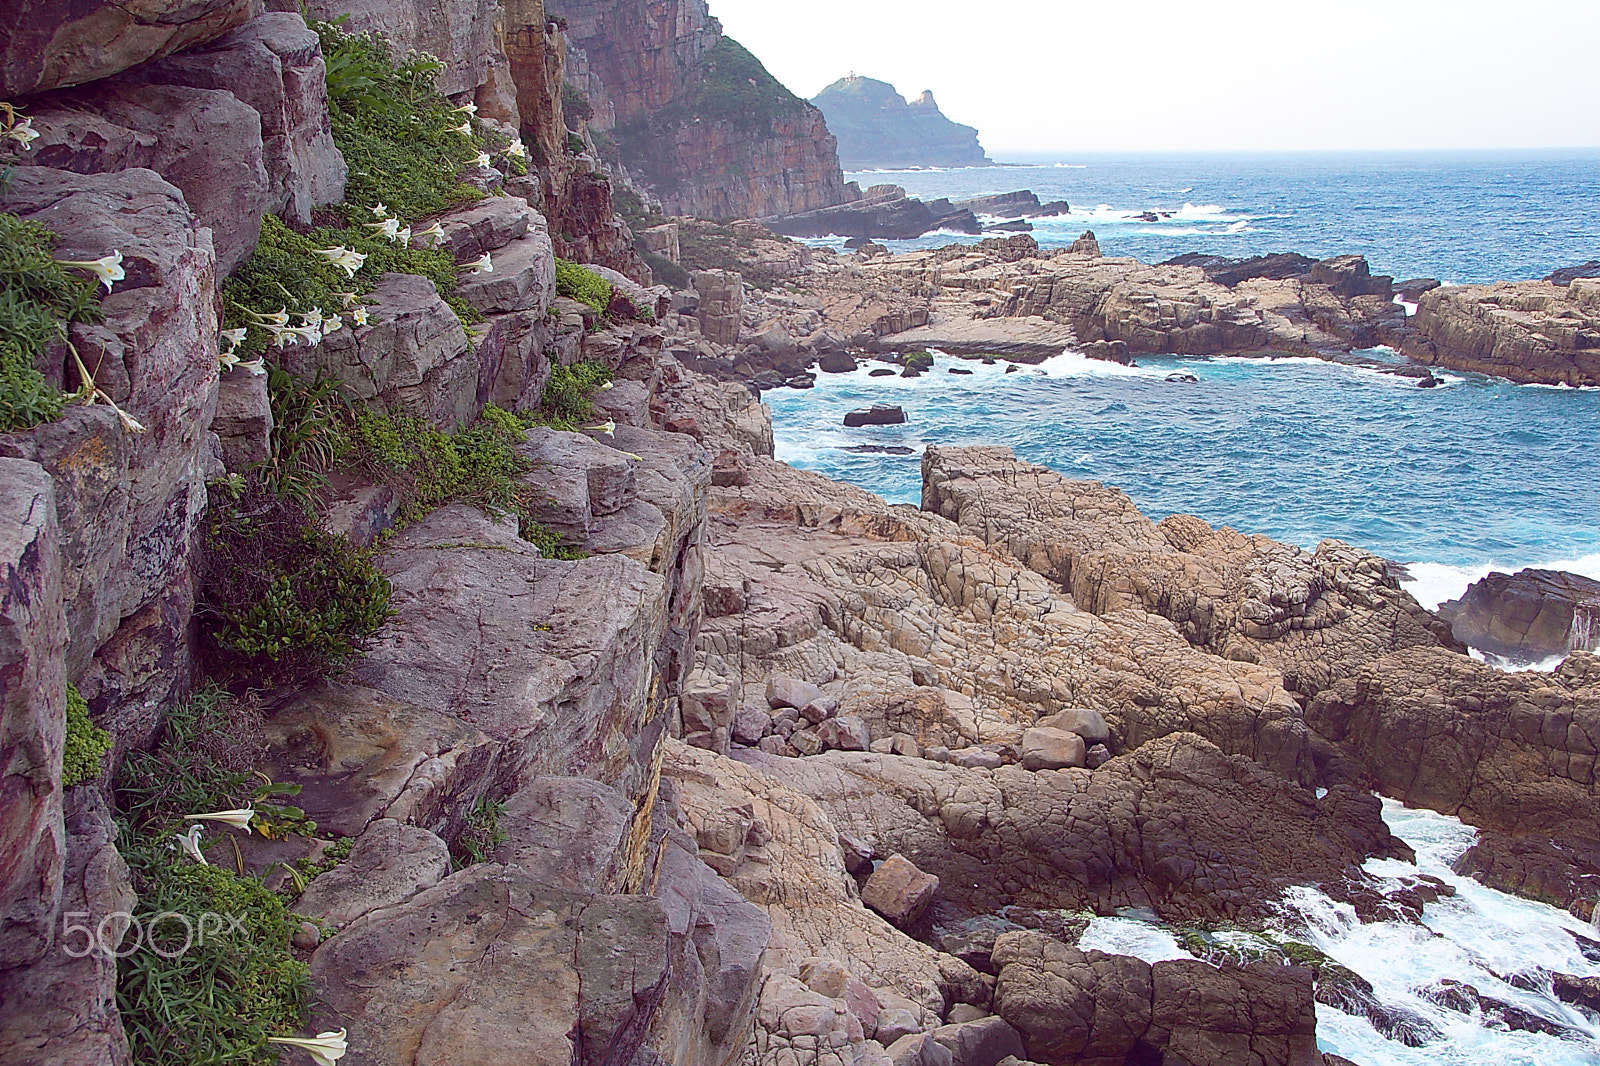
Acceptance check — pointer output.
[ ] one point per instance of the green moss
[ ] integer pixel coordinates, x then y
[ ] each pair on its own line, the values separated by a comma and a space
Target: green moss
924, 360
38, 299
86, 743
582, 284
281, 598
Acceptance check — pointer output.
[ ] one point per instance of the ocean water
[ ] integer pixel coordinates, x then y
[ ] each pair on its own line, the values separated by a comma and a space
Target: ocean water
1479, 474
1463, 218
1503, 946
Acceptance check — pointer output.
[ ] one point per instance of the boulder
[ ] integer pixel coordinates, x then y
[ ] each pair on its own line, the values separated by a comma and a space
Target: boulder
523, 277
788, 692
721, 306
485, 226
1527, 616
50, 45
707, 707
411, 357
1072, 1006
919, 1049
845, 733
980, 1042
836, 363
568, 832
1088, 724
243, 422
899, 891
1086, 244
206, 142
1581, 992
388, 865
876, 415
1044, 748
554, 659
1349, 276
274, 65
750, 724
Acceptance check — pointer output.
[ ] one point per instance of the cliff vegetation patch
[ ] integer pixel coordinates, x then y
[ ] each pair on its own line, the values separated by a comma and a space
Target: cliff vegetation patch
582, 284
86, 743
39, 300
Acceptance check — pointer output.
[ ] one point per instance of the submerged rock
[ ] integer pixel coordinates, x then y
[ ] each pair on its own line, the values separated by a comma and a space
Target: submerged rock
876, 415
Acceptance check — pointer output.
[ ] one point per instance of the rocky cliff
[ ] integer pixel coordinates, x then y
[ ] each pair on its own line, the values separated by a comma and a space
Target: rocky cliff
640, 745
703, 122
878, 129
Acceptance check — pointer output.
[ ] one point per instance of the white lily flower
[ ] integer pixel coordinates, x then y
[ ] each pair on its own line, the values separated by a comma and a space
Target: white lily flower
403, 235
129, 423
234, 337
331, 324
227, 360
435, 231
348, 299
466, 109
604, 386
346, 259
190, 843
280, 317
380, 209
359, 316
311, 334
481, 159
484, 265
239, 819
254, 366
388, 227
465, 129
325, 1048
108, 268
23, 133
311, 317
517, 148
608, 428
283, 336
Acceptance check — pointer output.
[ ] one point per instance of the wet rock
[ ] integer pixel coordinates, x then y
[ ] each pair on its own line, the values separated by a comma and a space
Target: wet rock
836, 363
1581, 992
876, 415
899, 891
880, 372
1527, 616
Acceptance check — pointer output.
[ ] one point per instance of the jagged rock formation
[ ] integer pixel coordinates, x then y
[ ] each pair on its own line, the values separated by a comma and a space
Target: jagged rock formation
1525, 330
878, 129
696, 115
1527, 616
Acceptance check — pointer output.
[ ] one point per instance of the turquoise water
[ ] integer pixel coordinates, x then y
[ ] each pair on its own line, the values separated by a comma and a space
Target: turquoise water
1474, 475
1477, 475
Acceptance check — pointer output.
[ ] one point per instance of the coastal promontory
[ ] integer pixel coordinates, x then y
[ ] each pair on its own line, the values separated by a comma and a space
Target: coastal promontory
878, 128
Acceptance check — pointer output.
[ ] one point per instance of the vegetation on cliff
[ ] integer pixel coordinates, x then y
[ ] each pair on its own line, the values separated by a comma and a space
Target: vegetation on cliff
39, 300
86, 743
876, 127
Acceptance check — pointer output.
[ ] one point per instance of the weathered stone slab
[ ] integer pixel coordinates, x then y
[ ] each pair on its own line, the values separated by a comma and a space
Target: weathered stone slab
388, 865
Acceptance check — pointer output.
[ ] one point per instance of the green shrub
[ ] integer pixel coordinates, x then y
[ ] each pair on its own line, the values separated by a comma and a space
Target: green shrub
582, 284
279, 597
568, 395
666, 271
38, 299
86, 743
222, 997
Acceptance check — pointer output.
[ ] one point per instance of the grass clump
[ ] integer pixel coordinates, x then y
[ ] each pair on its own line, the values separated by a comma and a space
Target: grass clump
86, 743
582, 284
211, 991
569, 394
38, 301
665, 271
281, 599
481, 835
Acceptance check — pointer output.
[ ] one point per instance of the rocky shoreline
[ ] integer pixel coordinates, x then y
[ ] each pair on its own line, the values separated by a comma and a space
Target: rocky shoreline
696, 758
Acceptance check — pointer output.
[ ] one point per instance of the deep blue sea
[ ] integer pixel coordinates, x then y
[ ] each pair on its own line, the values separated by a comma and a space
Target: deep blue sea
1477, 475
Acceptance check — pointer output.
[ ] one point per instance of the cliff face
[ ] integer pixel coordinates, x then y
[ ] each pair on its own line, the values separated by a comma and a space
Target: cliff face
876, 127
694, 113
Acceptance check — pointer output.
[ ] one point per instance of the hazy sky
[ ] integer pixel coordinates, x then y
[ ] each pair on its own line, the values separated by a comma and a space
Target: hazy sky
1208, 74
